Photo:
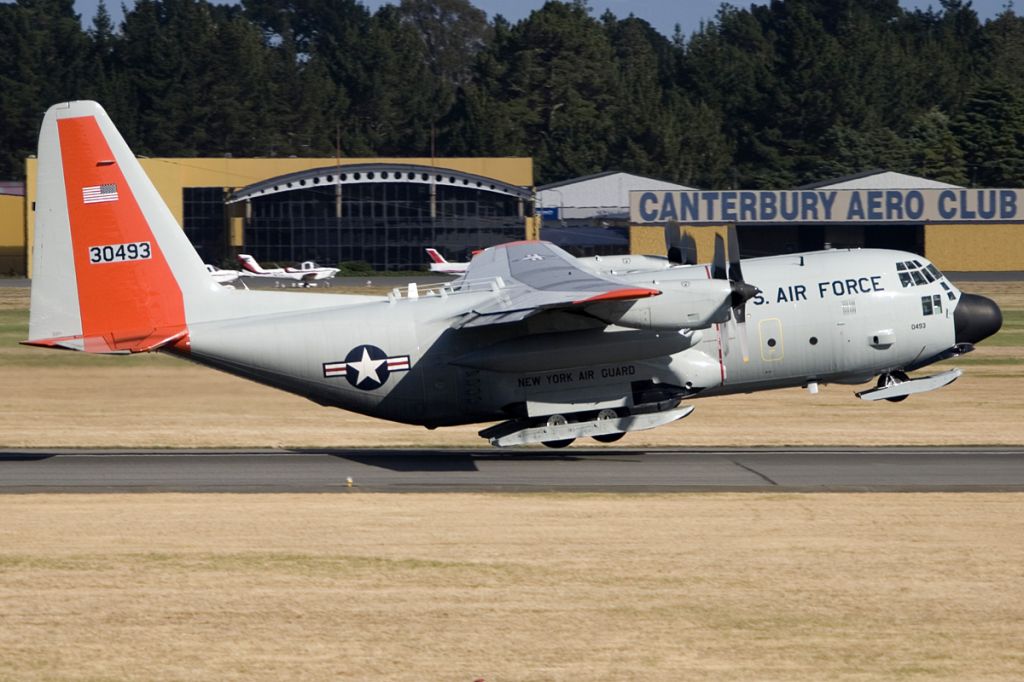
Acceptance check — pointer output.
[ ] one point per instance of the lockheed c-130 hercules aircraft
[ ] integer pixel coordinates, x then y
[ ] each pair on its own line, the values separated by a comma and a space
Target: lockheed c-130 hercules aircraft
554, 347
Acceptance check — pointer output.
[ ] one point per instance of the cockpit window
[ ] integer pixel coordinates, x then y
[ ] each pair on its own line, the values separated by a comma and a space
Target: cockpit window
912, 273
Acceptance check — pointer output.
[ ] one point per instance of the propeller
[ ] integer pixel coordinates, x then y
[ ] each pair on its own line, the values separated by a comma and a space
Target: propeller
689, 248
718, 261
741, 291
680, 247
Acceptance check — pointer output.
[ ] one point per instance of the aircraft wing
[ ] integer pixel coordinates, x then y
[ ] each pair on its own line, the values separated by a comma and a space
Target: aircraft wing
538, 276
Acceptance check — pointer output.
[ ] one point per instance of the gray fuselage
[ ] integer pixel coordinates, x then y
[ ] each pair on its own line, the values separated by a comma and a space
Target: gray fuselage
830, 316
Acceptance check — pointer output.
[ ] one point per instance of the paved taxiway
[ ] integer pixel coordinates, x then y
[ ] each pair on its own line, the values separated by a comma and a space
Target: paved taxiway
614, 470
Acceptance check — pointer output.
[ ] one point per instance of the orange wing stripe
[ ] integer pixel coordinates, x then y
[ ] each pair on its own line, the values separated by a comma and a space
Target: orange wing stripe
619, 295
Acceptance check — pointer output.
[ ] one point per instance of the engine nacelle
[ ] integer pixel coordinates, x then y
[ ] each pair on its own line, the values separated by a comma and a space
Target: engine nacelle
696, 369
683, 304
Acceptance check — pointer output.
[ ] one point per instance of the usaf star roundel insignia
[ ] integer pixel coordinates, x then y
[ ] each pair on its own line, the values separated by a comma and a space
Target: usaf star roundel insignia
367, 367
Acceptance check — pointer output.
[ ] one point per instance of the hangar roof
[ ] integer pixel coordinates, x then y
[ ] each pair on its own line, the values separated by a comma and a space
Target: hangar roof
364, 173
879, 179
602, 194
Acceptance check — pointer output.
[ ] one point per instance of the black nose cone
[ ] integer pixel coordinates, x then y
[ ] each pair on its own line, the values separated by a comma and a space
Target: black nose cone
976, 318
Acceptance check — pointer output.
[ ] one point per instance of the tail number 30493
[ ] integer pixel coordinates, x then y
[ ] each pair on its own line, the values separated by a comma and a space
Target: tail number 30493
119, 253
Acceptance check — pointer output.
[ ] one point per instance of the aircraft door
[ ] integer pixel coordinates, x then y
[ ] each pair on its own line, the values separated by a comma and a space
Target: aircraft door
840, 349
771, 341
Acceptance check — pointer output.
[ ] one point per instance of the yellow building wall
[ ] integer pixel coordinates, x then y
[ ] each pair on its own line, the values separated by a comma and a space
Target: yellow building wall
12, 235
650, 239
967, 248
170, 175
975, 247
647, 240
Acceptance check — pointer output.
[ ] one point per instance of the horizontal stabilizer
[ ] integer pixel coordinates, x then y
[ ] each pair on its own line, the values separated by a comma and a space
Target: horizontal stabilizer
905, 388
115, 343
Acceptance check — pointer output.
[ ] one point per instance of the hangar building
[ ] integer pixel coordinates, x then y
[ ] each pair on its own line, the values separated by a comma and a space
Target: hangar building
381, 211
589, 215
12, 228
387, 214
959, 229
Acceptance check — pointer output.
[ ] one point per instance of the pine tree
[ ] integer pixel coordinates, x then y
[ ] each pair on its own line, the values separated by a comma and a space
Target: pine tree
991, 133
935, 152
561, 81
43, 60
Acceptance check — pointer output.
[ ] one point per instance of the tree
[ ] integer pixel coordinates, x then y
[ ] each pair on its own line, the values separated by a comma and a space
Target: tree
991, 133
453, 33
43, 58
560, 83
1006, 36
934, 150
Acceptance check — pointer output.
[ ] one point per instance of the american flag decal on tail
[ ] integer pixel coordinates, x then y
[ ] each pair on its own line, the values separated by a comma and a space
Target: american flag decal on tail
99, 193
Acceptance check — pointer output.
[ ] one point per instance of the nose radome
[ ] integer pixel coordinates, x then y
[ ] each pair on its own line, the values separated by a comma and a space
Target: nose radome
976, 318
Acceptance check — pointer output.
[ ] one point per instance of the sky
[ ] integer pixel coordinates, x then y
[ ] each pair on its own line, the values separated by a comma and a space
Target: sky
662, 14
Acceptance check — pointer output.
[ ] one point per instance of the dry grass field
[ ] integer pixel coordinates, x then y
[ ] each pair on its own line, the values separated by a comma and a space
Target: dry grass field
54, 398
512, 587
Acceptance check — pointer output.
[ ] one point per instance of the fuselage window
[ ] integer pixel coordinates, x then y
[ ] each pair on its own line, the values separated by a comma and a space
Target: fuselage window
944, 286
937, 303
926, 305
950, 295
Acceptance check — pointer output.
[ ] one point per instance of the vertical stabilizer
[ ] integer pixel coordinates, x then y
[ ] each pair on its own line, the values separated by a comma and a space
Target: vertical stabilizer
112, 269
250, 264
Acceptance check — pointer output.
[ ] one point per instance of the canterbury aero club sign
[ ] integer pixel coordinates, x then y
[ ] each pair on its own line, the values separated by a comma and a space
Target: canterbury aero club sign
828, 206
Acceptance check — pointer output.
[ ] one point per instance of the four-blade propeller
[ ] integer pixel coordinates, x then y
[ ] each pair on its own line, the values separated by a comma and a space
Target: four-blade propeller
680, 247
741, 290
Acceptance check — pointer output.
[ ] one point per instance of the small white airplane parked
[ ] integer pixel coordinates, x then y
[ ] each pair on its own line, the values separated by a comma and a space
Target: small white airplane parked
553, 347
222, 276
442, 265
303, 275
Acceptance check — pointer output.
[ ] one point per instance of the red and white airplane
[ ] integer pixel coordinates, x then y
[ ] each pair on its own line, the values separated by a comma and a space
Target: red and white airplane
442, 265
306, 273
221, 276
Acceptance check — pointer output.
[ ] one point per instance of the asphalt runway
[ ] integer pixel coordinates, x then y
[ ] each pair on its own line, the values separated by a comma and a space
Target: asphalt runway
610, 470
